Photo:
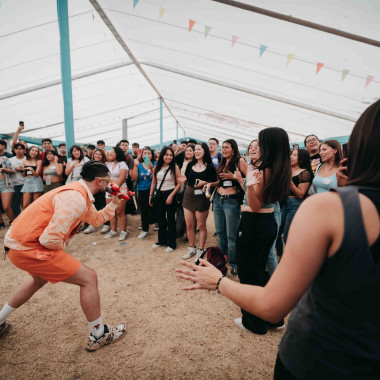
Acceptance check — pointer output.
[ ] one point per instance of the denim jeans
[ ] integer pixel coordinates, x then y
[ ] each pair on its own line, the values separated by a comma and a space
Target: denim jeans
272, 259
226, 218
288, 211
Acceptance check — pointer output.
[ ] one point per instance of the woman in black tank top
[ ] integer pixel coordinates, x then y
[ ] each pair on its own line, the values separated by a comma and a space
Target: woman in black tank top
329, 274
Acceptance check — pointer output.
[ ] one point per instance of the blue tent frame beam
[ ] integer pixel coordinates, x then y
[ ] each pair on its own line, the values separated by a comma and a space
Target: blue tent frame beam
63, 24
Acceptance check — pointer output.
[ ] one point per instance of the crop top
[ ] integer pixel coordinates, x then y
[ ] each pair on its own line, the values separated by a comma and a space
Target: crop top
303, 177
28, 172
51, 171
208, 175
115, 171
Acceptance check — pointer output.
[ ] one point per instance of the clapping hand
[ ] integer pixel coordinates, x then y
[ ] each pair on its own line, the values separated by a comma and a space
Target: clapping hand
253, 178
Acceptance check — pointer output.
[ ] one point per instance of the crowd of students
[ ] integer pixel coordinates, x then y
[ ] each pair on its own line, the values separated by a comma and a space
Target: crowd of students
329, 272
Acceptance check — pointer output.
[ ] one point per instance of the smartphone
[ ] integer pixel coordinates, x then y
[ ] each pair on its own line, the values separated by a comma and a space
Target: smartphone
344, 148
175, 141
146, 160
197, 182
296, 146
20, 123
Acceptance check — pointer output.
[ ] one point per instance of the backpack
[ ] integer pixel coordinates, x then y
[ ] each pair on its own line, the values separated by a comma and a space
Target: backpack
216, 258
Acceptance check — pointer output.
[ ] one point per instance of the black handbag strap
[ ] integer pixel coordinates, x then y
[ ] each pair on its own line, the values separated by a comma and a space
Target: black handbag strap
163, 179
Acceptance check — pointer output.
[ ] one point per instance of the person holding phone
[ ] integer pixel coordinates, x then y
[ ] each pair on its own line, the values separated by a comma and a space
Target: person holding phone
196, 205
142, 173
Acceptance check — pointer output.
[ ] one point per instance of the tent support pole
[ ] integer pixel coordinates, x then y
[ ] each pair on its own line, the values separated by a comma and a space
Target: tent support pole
63, 23
161, 124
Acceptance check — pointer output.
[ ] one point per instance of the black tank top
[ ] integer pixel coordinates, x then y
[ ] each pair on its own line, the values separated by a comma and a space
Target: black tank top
334, 331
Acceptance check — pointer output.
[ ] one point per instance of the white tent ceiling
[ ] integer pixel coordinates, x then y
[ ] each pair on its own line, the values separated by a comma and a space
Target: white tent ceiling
234, 73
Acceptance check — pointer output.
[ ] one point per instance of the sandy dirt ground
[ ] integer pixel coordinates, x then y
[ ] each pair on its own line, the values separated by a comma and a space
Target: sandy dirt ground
171, 333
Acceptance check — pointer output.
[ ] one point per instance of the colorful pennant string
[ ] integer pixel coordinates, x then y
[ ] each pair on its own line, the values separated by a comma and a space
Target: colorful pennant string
344, 73
162, 11
207, 30
262, 49
233, 40
369, 80
135, 3
290, 58
191, 24
319, 66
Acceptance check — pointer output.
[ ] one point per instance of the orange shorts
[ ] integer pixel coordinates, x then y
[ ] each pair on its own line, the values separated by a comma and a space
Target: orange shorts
53, 266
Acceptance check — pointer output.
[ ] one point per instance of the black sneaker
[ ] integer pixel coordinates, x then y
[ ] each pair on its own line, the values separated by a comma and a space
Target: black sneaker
2, 225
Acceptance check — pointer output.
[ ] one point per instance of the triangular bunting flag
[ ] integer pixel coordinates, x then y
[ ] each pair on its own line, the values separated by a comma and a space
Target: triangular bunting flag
162, 11
369, 80
93, 17
207, 30
234, 39
262, 49
191, 24
290, 58
344, 73
135, 3
319, 66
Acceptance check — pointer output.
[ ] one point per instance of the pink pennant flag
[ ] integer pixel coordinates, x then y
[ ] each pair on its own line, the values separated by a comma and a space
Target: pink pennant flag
369, 80
191, 24
234, 39
319, 66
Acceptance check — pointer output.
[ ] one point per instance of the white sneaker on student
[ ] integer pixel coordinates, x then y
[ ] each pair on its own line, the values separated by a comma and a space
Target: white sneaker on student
142, 235
191, 251
169, 249
239, 323
123, 235
105, 229
198, 255
89, 230
110, 234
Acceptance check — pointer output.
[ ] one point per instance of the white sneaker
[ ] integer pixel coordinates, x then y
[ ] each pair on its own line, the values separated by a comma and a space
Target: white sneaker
156, 245
191, 251
105, 229
89, 230
142, 235
198, 255
123, 235
139, 228
156, 228
110, 234
169, 249
239, 323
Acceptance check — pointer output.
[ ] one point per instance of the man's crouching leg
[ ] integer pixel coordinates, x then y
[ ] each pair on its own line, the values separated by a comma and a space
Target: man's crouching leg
23, 293
100, 334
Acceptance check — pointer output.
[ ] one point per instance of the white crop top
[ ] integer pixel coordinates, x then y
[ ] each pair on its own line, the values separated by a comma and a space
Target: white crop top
169, 183
115, 171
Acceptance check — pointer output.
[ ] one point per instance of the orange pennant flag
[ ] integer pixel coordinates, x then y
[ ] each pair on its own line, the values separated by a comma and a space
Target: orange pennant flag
162, 11
369, 80
191, 24
319, 66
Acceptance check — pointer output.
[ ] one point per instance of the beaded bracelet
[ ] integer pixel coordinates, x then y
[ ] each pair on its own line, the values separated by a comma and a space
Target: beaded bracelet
218, 283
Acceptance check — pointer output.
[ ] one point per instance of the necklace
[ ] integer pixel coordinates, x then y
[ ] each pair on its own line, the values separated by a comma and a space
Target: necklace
200, 166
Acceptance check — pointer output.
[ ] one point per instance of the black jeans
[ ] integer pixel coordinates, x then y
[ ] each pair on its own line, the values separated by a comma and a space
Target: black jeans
166, 221
146, 211
280, 372
257, 233
16, 200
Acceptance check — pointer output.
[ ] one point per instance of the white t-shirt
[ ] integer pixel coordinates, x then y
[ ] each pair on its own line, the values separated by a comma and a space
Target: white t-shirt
78, 169
17, 178
115, 171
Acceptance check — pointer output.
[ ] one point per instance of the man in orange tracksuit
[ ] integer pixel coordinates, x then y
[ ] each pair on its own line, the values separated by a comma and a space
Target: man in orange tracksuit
37, 239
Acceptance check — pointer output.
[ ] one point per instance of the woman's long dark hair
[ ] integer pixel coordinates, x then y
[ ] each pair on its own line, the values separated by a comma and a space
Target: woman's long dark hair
77, 147
207, 156
304, 161
46, 161
234, 161
363, 164
275, 156
160, 162
120, 156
